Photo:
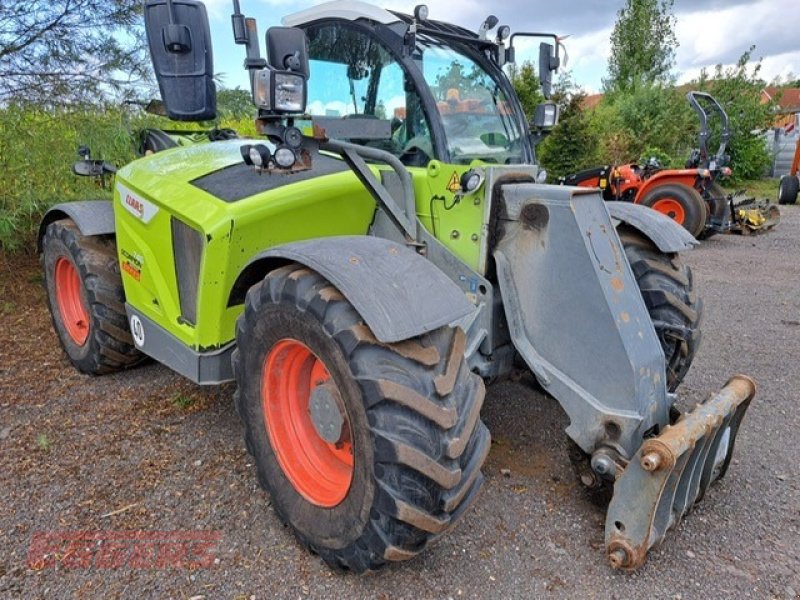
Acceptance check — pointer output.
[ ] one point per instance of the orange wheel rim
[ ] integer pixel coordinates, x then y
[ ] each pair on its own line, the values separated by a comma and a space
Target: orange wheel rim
672, 208
320, 471
70, 301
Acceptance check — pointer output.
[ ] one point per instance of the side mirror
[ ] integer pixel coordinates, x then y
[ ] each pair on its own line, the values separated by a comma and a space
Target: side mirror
287, 50
93, 168
548, 62
180, 48
545, 116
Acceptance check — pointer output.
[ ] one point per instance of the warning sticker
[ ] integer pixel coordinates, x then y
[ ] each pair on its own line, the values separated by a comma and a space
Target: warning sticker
454, 185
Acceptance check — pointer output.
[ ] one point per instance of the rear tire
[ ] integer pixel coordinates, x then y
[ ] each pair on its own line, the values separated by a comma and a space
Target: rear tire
676, 310
411, 411
789, 186
682, 204
86, 299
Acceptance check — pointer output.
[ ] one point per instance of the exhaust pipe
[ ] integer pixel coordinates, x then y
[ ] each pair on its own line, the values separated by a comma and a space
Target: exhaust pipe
671, 472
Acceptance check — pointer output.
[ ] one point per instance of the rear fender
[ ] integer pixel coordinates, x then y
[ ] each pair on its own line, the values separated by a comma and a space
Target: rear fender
687, 177
397, 292
666, 234
93, 217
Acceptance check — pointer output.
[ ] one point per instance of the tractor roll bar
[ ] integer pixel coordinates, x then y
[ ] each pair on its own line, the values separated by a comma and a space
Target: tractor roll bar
694, 99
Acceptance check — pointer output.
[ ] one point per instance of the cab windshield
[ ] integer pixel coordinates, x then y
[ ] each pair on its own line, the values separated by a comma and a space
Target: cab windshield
478, 119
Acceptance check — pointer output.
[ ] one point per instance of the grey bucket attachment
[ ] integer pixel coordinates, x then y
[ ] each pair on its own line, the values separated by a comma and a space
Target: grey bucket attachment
671, 472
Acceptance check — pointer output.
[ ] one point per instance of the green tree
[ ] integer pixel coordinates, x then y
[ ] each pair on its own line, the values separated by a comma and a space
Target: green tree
738, 90
572, 145
60, 51
642, 45
235, 104
652, 121
526, 85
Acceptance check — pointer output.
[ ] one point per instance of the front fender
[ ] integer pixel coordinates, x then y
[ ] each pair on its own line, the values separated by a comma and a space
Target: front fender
397, 292
93, 217
665, 233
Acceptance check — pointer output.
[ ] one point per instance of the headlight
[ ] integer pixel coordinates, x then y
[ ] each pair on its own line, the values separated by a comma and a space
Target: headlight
279, 91
546, 115
284, 157
260, 156
471, 180
290, 92
541, 176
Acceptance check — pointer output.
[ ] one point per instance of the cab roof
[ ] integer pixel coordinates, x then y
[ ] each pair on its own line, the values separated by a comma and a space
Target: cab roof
341, 9
352, 10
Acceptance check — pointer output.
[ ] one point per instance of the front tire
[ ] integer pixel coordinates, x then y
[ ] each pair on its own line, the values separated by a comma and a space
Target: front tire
408, 416
682, 204
86, 299
667, 288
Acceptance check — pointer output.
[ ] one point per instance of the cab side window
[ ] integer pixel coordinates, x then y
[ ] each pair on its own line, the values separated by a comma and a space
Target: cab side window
353, 76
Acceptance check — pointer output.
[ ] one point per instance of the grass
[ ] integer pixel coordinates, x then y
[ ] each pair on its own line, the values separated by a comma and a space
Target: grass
183, 402
43, 442
759, 188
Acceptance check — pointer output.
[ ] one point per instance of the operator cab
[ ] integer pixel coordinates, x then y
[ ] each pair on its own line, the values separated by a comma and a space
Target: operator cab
442, 101
440, 89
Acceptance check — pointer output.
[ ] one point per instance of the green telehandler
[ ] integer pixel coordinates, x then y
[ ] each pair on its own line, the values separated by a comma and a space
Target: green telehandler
364, 268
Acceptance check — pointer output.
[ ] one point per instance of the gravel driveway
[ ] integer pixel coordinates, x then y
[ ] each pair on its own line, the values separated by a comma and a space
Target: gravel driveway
146, 450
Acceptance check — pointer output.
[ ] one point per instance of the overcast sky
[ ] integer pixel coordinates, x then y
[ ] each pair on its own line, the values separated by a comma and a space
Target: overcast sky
709, 31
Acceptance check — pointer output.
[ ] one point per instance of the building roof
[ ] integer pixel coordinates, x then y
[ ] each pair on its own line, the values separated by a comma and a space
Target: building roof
788, 98
591, 101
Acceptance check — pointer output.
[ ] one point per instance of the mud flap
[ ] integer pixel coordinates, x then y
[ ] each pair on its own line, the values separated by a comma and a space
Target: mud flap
671, 472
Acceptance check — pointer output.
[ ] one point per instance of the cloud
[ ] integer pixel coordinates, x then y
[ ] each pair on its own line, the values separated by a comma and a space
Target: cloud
709, 31
716, 36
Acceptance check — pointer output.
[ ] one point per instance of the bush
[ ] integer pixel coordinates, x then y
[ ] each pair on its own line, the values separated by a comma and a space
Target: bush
650, 120
572, 145
38, 147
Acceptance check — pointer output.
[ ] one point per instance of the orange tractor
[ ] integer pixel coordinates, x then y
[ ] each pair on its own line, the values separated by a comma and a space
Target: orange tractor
690, 196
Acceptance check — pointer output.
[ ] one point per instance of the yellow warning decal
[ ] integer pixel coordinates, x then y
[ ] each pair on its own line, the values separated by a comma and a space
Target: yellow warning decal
454, 185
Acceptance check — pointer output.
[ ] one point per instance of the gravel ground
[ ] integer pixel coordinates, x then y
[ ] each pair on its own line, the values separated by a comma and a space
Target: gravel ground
169, 456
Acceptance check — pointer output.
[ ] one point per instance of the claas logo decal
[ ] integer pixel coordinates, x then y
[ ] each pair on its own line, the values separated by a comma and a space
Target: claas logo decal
136, 205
